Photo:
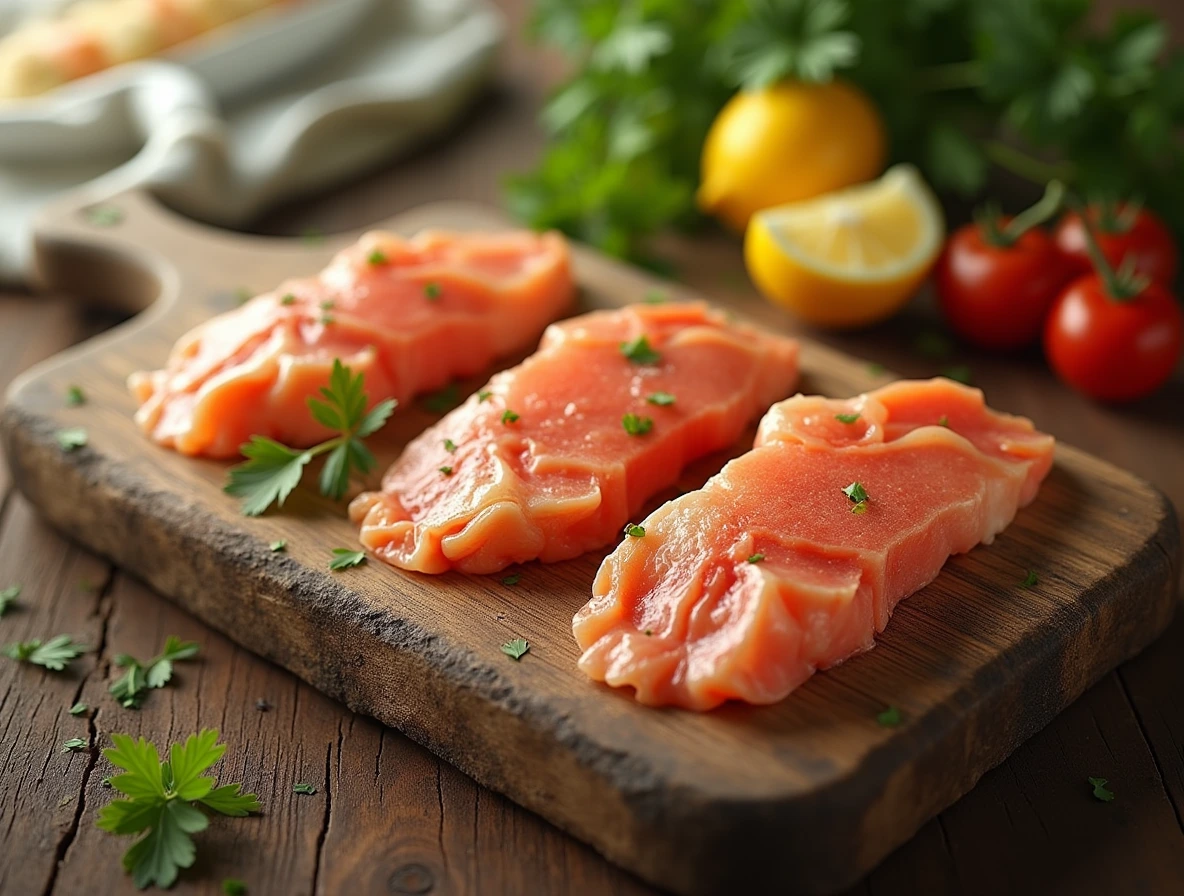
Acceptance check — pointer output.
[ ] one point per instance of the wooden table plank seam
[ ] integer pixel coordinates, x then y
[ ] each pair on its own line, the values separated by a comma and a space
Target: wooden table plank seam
1124, 687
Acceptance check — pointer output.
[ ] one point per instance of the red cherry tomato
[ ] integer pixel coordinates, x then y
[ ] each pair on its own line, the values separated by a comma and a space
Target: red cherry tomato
1113, 350
1136, 233
997, 297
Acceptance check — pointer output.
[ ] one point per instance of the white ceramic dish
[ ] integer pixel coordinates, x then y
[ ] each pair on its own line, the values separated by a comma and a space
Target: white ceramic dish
232, 61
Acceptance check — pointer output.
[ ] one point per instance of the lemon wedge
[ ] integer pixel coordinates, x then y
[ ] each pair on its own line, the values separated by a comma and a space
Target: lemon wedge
848, 258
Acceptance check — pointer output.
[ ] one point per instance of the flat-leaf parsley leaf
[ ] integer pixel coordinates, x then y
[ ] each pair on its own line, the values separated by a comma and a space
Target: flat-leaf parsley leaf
71, 438
74, 744
639, 351
7, 596
516, 648
55, 654
635, 530
344, 558
637, 426
1100, 790
132, 687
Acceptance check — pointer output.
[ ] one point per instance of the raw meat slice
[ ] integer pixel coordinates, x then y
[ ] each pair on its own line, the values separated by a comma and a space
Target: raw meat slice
541, 464
412, 314
742, 589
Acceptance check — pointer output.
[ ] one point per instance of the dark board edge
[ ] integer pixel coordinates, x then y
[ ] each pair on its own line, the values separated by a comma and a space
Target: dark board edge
399, 673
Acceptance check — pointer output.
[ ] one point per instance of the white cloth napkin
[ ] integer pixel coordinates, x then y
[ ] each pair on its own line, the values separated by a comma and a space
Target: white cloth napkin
400, 74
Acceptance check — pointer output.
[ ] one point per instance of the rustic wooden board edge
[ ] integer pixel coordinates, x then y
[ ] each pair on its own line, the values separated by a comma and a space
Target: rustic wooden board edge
715, 846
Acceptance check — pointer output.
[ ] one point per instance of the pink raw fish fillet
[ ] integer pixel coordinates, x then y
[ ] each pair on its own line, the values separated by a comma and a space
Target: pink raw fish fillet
411, 314
686, 619
565, 476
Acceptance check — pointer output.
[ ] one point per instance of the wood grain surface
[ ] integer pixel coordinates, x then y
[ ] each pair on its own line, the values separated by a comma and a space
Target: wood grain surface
804, 796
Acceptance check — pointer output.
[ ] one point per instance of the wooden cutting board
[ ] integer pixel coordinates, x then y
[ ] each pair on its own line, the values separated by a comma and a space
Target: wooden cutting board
802, 797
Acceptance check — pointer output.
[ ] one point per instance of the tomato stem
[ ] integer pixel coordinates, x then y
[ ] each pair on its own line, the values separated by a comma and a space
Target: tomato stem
1122, 285
1033, 216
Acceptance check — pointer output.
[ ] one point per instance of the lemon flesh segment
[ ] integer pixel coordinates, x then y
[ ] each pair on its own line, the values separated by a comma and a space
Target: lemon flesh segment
851, 257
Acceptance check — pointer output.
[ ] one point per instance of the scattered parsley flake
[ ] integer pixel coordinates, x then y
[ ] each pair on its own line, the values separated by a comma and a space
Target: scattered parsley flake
637, 426
484, 395
509, 417
856, 492
654, 297
443, 400
635, 530
512, 579
943, 420
889, 718
278, 546
307, 789
860, 507
847, 418
447, 471
662, 399
130, 689
328, 320
71, 438
104, 215
959, 373
639, 351
163, 803
756, 558
78, 709
450, 446
273, 470
75, 396
431, 291
8, 596
516, 648
288, 299
232, 886
74, 744
376, 256
328, 305
1030, 580
344, 558
1100, 790
55, 654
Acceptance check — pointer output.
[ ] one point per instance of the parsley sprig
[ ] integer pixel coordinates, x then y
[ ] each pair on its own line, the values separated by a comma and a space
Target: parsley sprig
272, 470
54, 654
165, 802
132, 687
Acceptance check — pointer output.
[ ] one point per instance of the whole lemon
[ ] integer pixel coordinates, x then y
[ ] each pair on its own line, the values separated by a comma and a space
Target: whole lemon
785, 143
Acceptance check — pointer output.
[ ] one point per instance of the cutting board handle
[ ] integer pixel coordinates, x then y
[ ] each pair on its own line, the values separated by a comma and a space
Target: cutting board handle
127, 251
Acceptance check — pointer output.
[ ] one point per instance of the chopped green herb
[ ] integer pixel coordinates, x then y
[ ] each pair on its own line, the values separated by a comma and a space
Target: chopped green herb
512, 579
662, 399
889, 718
484, 395
847, 418
104, 215
132, 687
163, 804
637, 426
635, 530
72, 438
943, 420
74, 744
509, 417
516, 648
55, 654
376, 256
272, 470
654, 297
328, 319
856, 492
78, 709
1100, 790
443, 400
232, 886
1030, 580
288, 299
8, 596
328, 305
447, 471
959, 373
756, 558
639, 351
307, 789
75, 396
431, 291
860, 507
344, 558
278, 546
934, 345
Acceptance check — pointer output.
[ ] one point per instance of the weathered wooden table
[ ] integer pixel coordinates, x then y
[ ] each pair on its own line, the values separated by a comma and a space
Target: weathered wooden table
390, 818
